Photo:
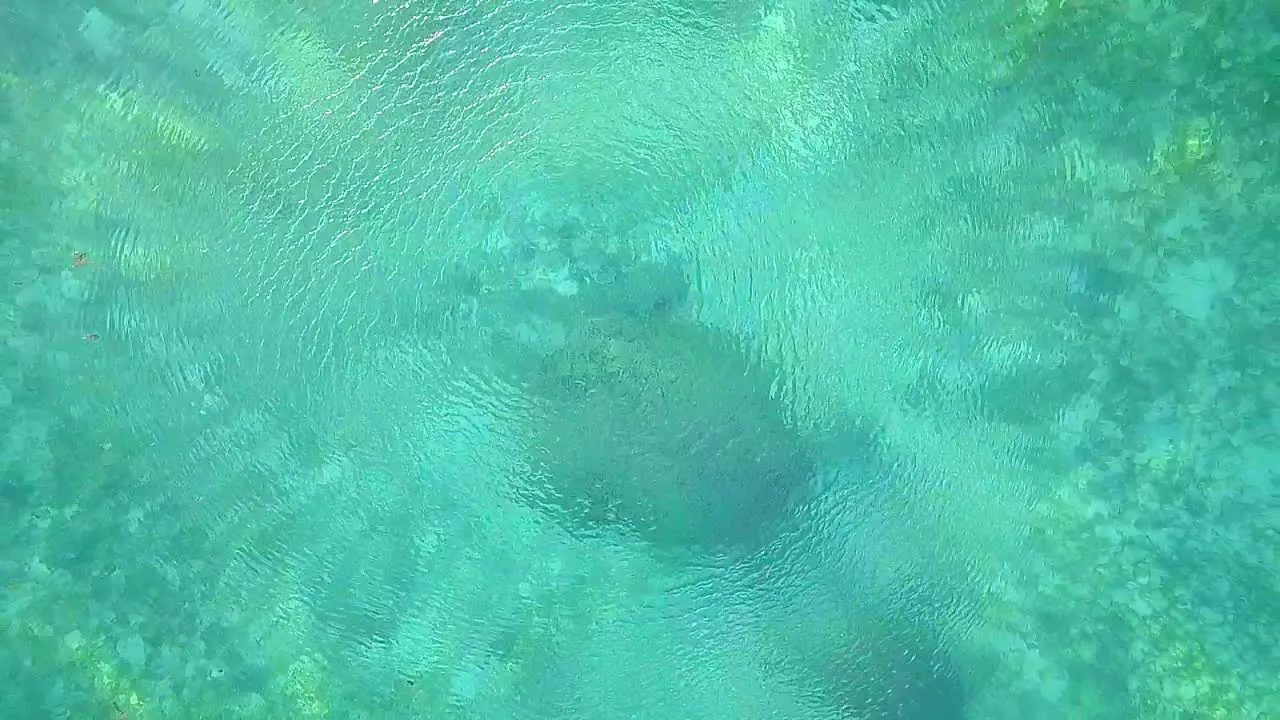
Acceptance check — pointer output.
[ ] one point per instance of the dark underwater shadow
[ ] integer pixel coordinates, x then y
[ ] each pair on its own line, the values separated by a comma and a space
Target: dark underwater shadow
654, 431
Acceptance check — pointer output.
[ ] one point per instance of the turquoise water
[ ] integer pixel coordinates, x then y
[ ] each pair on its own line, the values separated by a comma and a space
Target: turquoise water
793, 359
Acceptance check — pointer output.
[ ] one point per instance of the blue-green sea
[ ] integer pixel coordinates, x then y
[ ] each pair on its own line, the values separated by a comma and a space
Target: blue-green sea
639, 360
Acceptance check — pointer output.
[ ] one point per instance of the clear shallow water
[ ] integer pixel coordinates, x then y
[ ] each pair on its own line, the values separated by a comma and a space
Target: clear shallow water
542, 360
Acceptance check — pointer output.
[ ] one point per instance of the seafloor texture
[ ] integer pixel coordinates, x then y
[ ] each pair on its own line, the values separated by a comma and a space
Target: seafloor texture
792, 359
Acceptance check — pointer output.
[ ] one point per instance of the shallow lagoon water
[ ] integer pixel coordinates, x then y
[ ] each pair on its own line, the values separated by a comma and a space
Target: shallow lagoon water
543, 360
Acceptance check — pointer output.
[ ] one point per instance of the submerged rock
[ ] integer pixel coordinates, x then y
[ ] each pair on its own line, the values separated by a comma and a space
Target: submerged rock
644, 423
664, 429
